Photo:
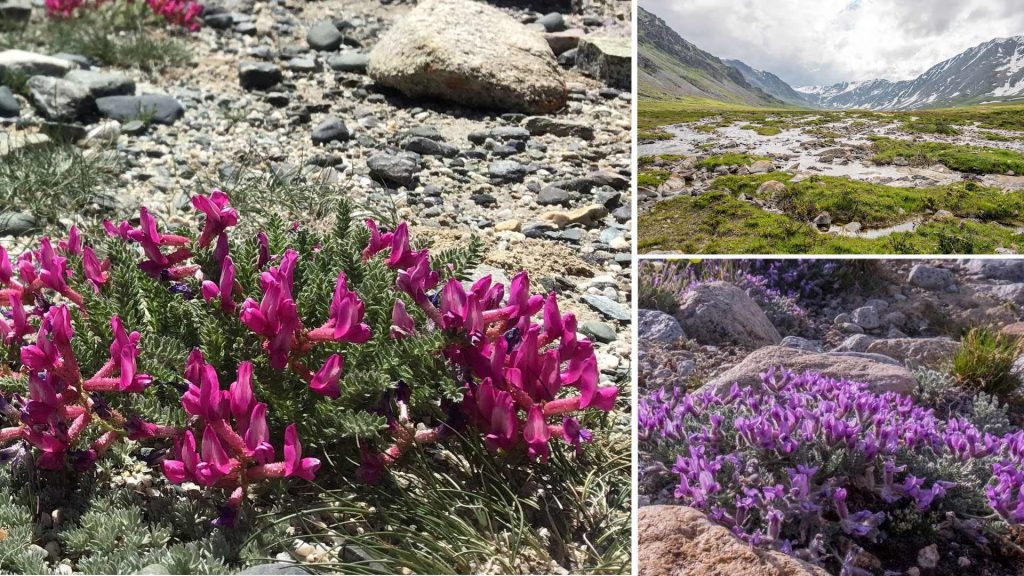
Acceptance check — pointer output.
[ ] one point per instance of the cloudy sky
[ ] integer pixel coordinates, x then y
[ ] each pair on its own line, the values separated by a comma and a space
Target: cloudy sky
826, 41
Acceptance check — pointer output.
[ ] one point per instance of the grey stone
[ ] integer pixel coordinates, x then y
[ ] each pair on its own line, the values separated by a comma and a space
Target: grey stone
330, 130
258, 75
801, 344
17, 223
608, 307
930, 277
349, 62
657, 326
607, 59
928, 352
562, 42
9, 105
552, 22
855, 343
276, 568
721, 313
32, 64
471, 54
156, 108
324, 36
15, 11
506, 171
866, 317
401, 170
540, 125
500, 134
599, 331
303, 65
59, 99
551, 196
430, 147
101, 84
1001, 269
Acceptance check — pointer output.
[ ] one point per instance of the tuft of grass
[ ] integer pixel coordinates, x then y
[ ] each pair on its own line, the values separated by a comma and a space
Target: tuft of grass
934, 126
653, 178
53, 181
763, 130
970, 159
730, 159
469, 512
118, 34
653, 135
984, 362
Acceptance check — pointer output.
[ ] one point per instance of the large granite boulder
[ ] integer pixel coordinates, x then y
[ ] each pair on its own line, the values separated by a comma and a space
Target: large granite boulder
721, 313
471, 54
682, 541
883, 374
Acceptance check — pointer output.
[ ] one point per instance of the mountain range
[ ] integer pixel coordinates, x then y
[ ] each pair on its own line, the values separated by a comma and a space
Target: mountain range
670, 66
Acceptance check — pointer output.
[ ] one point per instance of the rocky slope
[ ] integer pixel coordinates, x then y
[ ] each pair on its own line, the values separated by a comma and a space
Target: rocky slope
770, 83
669, 66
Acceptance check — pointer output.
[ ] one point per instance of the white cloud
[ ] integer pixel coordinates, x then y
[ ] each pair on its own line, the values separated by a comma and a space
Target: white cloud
827, 41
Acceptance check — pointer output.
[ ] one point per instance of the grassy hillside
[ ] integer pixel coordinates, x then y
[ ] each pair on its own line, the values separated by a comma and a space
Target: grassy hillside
671, 67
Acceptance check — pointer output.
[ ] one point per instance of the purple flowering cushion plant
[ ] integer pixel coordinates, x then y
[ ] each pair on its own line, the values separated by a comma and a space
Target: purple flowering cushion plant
247, 357
818, 467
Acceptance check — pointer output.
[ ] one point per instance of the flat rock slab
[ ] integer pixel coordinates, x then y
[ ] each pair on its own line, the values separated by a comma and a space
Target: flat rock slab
607, 307
100, 84
14, 141
32, 64
607, 59
156, 107
881, 375
928, 352
471, 54
682, 541
59, 99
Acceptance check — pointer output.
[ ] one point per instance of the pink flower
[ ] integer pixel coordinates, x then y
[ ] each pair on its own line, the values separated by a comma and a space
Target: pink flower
536, 434
402, 324
219, 216
223, 291
325, 382
96, 273
347, 314
378, 241
294, 463
276, 316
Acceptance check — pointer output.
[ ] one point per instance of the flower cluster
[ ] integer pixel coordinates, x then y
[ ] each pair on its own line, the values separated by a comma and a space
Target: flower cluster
755, 458
61, 404
524, 382
184, 13
234, 446
514, 368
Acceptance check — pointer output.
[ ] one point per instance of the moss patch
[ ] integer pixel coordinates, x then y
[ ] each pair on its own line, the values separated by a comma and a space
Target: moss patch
876, 205
713, 162
718, 223
971, 159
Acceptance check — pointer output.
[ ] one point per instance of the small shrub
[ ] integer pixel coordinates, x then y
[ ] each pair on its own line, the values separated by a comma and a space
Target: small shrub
810, 465
985, 362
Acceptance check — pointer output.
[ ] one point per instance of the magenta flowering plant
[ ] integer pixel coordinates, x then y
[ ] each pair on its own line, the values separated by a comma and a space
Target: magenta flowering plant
347, 346
184, 13
815, 466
